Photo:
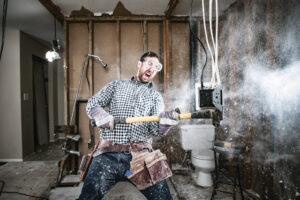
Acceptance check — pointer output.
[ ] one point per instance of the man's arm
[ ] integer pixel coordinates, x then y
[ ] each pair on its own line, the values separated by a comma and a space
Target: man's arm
96, 104
101, 99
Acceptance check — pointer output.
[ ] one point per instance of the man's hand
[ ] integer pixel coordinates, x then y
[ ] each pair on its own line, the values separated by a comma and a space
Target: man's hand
169, 118
102, 118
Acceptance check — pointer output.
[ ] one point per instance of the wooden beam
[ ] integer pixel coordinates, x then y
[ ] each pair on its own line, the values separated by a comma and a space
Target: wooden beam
166, 57
54, 10
91, 63
145, 36
249, 121
127, 18
171, 6
118, 32
66, 78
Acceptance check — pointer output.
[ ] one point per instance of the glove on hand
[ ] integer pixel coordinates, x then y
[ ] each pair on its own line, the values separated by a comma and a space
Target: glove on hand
102, 118
169, 118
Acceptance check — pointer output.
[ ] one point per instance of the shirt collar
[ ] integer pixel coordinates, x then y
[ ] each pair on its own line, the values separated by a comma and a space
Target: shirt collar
149, 84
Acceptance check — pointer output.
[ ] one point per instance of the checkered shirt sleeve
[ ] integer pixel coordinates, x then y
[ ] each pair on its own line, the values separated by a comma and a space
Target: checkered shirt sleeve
124, 99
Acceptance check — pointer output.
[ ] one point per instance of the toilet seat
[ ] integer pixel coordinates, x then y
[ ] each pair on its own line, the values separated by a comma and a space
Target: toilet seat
203, 154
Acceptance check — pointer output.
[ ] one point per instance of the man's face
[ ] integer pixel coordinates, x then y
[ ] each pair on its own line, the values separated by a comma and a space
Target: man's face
148, 69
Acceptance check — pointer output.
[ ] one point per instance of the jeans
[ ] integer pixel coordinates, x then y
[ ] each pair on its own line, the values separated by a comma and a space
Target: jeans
109, 168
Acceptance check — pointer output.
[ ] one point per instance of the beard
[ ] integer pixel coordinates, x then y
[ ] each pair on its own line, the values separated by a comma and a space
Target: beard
146, 76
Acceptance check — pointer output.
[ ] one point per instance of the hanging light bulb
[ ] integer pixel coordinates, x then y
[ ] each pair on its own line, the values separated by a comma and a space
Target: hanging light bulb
53, 55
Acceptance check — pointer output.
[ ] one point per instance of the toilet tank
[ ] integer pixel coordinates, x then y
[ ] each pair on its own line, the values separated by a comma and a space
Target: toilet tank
196, 136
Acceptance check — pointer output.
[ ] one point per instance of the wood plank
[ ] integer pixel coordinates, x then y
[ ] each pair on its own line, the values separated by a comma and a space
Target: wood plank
53, 9
154, 44
249, 45
78, 48
105, 46
118, 35
131, 48
171, 6
91, 63
166, 57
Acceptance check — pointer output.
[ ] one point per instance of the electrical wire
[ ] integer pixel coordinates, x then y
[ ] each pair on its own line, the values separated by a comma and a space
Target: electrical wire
207, 41
4, 14
202, 45
215, 78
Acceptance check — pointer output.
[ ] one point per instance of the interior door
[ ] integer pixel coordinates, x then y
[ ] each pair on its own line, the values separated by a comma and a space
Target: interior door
40, 103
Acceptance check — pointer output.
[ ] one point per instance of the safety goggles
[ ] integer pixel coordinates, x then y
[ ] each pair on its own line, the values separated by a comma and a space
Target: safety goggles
152, 64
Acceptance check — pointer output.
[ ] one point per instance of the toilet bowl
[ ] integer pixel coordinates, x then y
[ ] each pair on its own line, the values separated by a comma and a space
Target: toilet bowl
199, 138
203, 161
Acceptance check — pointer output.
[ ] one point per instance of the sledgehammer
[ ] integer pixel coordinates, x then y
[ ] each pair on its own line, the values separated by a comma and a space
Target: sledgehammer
215, 115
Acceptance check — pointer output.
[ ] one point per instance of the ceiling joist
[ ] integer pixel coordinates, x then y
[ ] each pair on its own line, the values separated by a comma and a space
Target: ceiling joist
53, 9
171, 6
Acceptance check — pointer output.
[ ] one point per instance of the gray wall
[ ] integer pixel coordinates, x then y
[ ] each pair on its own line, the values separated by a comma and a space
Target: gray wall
16, 122
10, 101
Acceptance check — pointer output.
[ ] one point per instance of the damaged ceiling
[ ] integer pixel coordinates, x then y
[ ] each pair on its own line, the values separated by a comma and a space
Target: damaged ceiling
136, 7
32, 17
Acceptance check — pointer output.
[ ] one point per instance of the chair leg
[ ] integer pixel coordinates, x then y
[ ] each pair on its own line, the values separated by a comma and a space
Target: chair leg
239, 182
215, 177
234, 185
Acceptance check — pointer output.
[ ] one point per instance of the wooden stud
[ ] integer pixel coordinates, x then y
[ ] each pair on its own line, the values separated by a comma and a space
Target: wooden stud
247, 178
166, 56
66, 65
145, 36
270, 33
232, 65
270, 57
119, 48
91, 63
53, 9
166, 61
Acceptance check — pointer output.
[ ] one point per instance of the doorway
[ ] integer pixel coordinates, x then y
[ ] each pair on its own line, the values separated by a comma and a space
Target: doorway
40, 102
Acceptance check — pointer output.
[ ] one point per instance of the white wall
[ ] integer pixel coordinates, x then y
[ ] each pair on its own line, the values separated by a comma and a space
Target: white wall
16, 119
10, 99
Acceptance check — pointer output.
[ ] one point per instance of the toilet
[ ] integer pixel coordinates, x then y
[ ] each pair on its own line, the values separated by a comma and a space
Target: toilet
198, 138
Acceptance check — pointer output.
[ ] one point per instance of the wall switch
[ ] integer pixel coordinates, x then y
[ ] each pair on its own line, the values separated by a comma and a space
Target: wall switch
26, 96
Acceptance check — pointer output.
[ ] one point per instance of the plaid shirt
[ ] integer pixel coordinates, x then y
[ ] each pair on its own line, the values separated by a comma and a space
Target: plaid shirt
129, 98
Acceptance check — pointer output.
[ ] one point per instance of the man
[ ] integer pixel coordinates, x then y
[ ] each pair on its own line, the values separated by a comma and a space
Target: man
128, 98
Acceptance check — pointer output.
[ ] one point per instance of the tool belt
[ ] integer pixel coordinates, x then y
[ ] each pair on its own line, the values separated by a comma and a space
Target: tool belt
146, 168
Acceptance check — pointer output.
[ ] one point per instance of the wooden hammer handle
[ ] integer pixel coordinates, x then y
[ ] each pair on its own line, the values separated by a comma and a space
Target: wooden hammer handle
154, 118
196, 115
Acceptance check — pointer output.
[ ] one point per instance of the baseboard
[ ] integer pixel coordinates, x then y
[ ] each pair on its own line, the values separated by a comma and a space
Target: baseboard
11, 160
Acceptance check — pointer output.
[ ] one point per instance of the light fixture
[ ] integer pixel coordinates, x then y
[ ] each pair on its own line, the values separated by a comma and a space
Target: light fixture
53, 55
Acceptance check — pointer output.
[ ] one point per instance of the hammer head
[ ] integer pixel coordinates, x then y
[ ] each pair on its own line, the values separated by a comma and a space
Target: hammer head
217, 116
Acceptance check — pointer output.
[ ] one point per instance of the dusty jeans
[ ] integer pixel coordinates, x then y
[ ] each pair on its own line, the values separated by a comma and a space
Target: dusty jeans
109, 168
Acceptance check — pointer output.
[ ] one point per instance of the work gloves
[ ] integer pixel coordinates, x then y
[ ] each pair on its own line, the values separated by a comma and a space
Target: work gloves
167, 120
102, 118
